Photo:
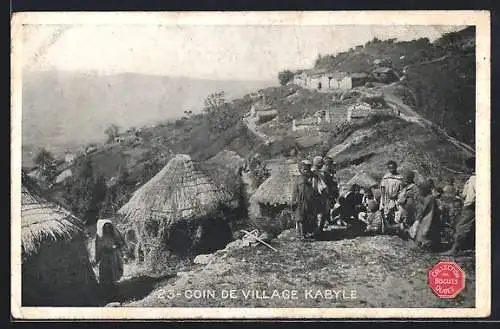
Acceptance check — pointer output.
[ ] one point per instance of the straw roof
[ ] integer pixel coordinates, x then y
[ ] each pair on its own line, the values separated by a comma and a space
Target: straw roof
43, 220
277, 189
183, 190
362, 179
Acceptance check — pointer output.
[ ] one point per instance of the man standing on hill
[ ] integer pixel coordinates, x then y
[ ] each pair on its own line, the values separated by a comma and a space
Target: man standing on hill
465, 222
390, 186
304, 198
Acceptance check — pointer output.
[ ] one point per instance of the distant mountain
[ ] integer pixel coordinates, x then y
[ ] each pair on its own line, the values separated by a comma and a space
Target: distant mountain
65, 109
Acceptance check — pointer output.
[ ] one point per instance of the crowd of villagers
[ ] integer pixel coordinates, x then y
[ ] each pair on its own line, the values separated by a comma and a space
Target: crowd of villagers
395, 206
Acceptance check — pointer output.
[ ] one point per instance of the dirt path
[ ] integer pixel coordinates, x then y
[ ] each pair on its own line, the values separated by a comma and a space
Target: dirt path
379, 271
252, 125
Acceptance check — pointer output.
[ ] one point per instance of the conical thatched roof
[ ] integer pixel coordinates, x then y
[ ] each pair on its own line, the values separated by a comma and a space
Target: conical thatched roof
277, 189
362, 179
43, 220
182, 190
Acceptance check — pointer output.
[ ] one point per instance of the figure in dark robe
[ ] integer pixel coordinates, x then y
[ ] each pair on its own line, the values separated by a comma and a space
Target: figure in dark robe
427, 226
304, 202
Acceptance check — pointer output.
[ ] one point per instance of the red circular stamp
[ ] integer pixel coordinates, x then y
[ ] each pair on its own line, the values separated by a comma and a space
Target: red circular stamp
446, 279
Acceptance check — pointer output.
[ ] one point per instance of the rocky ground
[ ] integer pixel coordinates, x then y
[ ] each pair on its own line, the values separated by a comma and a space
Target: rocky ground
377, 272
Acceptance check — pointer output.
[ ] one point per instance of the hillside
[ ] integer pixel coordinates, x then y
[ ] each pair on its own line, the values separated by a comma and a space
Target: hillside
363, 146
415, 122
381, 271
63, 110
440, 75
444, 92
399, 53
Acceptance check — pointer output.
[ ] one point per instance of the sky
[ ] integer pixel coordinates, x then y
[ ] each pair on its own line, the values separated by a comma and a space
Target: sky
205, 52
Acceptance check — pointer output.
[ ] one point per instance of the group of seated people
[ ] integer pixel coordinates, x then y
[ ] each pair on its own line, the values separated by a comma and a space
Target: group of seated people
424, 212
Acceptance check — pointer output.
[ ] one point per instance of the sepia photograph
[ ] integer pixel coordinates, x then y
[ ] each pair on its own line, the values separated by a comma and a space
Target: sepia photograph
250, 165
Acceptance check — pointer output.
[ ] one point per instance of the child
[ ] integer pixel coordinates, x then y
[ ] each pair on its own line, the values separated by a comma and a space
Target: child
372, 218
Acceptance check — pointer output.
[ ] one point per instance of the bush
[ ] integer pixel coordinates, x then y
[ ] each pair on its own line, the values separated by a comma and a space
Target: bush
285, 76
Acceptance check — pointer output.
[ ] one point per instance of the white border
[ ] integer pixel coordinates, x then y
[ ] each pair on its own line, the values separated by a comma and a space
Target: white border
483, 244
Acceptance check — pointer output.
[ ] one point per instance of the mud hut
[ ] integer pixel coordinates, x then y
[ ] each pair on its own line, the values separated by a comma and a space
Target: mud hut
186, 208
275, 194
56, 270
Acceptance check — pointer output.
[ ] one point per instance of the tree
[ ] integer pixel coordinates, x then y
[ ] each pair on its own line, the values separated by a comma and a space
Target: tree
112, 132
86, 193
219, 114
96, 200
47, 165
44, 158
285, 76
215, 101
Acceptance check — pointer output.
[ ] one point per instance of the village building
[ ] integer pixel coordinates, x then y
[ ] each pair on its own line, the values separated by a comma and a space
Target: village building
262, 112
359, 79
56, 269
90, 149
385, 75
358, 112
69, 157
362, 110
127, 139
188, 207
323, 79
275, 193
65, 174
35, 174
309, 123
382, 62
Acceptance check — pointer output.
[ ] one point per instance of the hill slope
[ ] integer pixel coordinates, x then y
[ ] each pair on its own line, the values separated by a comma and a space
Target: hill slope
440, 76
65, 109
383, 271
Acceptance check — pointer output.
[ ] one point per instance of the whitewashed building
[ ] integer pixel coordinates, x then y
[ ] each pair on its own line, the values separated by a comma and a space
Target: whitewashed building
323, 79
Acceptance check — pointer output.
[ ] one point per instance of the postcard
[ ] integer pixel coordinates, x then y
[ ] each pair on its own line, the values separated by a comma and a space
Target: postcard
250, 165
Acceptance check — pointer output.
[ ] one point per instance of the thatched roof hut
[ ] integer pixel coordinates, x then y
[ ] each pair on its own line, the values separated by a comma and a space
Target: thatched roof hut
182, 200
56, 270
276, 191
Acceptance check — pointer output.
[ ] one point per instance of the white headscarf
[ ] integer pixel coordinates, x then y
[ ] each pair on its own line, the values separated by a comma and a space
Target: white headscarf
100, 225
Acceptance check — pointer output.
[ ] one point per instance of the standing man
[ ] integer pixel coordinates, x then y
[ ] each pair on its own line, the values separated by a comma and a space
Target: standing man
321, 188
390, 186
332, 194
465, 222
303, 201
407, 200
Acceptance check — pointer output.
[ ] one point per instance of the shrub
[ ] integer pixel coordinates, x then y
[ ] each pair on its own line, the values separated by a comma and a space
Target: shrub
285, 76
